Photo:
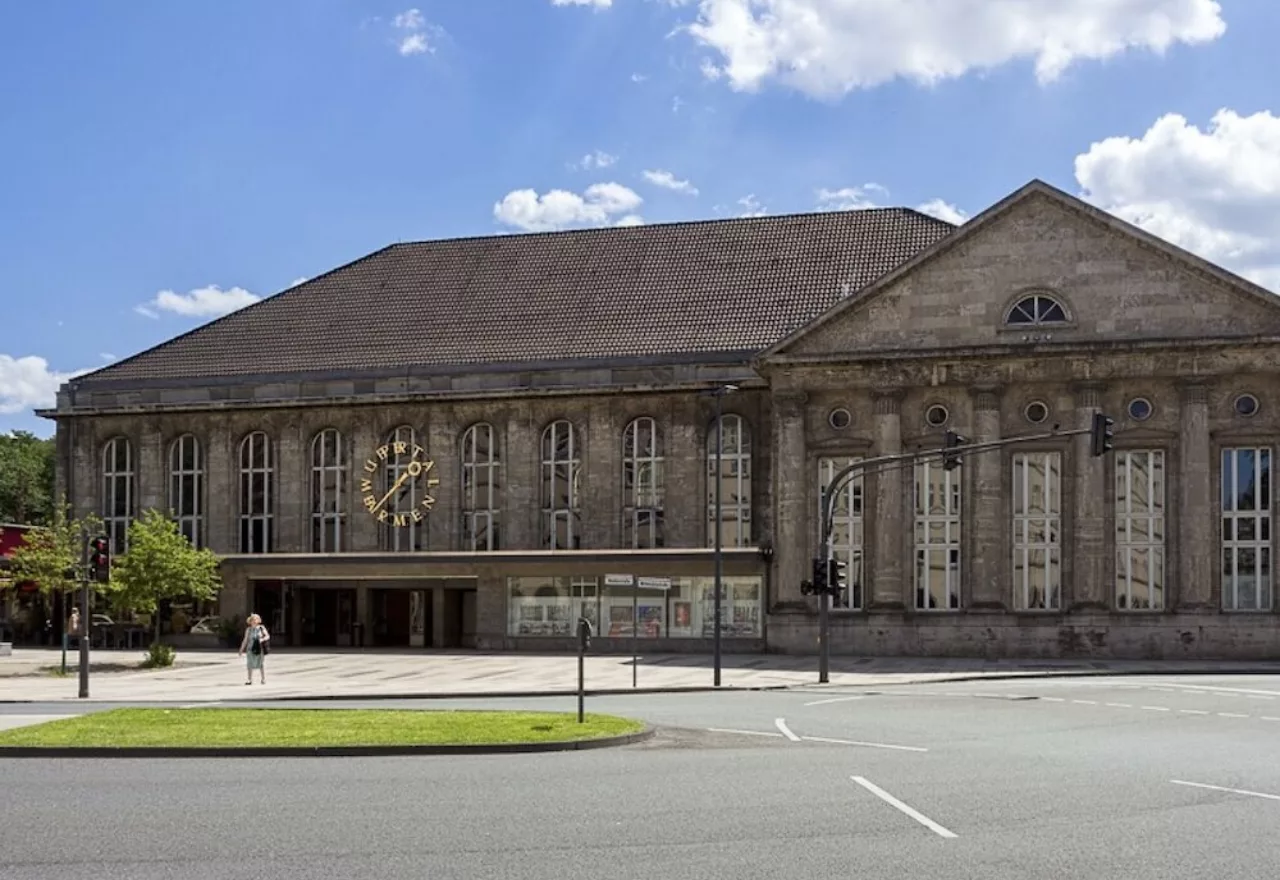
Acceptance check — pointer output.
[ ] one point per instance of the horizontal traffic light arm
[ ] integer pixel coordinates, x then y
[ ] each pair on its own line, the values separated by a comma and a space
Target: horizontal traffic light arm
900, 460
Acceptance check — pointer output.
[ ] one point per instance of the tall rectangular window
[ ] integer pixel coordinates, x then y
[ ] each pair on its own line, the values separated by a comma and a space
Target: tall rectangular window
328, 491
257, 494
937, 537
118, 502
733, 516
186, 487
1037, 531
846, 527
481, 488
561, 489
1246, 529
642, 487
1140, 519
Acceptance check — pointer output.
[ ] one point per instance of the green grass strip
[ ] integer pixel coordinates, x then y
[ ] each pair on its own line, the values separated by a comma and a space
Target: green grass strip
312, 727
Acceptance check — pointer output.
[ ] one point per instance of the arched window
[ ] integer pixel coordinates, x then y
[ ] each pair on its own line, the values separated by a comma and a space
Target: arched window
257, 494
186, 487
405, 529
481, 490
734, 515
642, 487
117, 492
1038, 308
328, 498
561, 471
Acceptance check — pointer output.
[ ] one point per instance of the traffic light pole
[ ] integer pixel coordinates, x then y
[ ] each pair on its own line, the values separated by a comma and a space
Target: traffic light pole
84, 638
886, 463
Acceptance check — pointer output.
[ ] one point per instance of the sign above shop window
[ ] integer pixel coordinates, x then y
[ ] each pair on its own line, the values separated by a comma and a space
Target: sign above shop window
619, 580
654, 583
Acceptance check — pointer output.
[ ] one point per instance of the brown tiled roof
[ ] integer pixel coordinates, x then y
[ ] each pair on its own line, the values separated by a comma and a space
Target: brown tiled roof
676, 289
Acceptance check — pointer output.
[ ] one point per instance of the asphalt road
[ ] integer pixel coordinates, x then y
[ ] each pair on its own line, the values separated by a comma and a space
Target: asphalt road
1071, 778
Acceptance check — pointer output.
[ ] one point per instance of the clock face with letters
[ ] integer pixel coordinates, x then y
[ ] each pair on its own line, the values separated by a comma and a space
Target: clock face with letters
408, 485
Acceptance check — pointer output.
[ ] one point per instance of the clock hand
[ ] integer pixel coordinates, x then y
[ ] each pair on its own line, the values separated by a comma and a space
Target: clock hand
395, 488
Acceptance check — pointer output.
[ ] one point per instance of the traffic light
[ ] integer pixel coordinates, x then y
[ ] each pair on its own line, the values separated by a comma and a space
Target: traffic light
819, 576
1101, 435
100, 559
836, 574
951, 458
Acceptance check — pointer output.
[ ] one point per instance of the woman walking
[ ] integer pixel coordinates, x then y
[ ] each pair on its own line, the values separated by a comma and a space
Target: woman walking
254, 647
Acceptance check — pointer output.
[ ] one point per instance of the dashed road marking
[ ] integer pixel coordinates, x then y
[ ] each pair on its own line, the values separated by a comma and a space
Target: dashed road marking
840, 700
1156, 708
870, 745
781, 724
1257, 794
1231, 715
904, 808
1119, 705
1086, 702
1193, 711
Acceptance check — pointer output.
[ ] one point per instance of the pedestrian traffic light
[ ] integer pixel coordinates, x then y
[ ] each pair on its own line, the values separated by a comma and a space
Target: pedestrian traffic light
836, 572
951, 458
1101, 435
100, 559
819, 576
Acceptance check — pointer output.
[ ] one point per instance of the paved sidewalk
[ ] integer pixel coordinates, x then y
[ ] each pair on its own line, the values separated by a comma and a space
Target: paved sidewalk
207, 676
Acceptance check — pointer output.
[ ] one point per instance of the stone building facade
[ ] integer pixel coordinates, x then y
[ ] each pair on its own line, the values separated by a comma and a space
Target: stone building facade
553, 420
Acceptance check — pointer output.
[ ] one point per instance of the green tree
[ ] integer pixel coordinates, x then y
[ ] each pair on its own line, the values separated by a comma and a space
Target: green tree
26, 479
160, 565
50, 555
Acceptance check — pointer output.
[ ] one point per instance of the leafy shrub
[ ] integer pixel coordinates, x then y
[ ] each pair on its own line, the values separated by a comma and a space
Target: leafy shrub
159, 655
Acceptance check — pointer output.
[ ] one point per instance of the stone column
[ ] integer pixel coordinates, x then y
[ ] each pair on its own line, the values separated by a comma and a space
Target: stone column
86, 470
684, 455
522, 474
364, 532
292, 462
601, 481
988, 533
891, 525
792, 534
1197, 531
1090, 589
222, 494
151, 469
444, 522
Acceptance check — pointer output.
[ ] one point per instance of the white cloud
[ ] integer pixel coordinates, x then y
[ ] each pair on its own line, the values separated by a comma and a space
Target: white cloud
27, 383
599, 204
667, 180
414, 44
631, 220
751, 206
826, 48
421, 36
849, 198
598, 4
410, 20
943, 211
1213, 191
873, 195
202, 302
598, 159
638, 77
107, 356
295, 282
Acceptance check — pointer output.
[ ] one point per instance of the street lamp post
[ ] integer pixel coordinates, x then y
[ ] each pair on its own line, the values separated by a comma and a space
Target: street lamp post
719, 393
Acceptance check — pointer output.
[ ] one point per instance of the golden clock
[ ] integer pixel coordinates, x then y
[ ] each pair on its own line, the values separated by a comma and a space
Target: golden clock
412, 483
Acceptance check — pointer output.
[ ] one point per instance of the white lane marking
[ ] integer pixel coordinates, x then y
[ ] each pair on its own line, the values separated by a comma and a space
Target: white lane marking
1193, 711
834, 700
1224, 690
1257, 794
1155, 708
1269, 718
1231, 715
1053, 699
1119, 705
1086, 702
870, 745
781, 724
899, 805
743, 732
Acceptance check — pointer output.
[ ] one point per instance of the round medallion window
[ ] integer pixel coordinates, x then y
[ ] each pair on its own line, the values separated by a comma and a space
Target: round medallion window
1036, 412
1140, 409
1246, 405
839, 419
936, 415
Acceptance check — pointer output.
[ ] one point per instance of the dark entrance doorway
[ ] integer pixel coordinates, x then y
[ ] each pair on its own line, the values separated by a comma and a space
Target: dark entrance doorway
401, 617
328, 616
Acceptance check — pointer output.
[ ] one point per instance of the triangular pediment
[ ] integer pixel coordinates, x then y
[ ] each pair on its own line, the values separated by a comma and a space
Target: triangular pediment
1114, 283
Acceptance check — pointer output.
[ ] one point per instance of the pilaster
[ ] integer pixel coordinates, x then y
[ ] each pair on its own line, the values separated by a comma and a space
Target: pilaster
151, 468
1197, 534
522, 497
444, 522
684, 455
221, 488
291, 446
988, 535
1090, 587
790, 497
891, 529
363, 531
601, 478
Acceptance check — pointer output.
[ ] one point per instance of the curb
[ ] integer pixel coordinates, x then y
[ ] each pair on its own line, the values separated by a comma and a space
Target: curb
322, 751
1032, 676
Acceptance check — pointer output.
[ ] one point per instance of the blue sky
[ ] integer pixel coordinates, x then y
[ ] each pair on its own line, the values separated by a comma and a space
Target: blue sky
220, 152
